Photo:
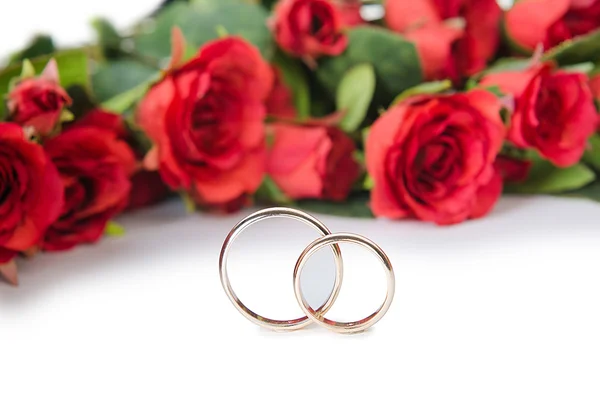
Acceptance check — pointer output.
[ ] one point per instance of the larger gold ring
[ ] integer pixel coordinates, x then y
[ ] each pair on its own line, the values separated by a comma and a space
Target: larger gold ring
278, 325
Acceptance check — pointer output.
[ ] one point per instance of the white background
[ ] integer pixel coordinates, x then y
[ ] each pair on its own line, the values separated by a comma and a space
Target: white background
505, 306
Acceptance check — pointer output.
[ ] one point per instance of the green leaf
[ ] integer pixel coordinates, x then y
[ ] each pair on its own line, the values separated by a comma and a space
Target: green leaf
545, 178
354, 95
125, 100
119, 76
72, 67
592, 155
356, 206
578, 50
107, 36
27, 70
199, 21
113, 229
271, 193
591, 191
294, 78
395, 60
585, 68
430, 87
40, 45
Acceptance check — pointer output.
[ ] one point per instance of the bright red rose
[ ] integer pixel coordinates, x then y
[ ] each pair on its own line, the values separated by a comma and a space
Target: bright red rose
350, 11
595, 86
432, 157
31, 194
95, 167
206, 121
280, 103
550, 22
312, 162
38, 102
554, 111
454, 38
309, 28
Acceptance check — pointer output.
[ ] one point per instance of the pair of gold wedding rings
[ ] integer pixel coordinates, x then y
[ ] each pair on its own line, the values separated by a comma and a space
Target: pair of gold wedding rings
327, 239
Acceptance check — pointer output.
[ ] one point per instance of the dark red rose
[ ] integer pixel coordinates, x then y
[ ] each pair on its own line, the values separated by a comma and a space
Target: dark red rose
38, 102
550, 22
280, 103
312, 162
206, 121
554, 111
309, 28
95, 167
432, 157
454, 38
31, 194
147, 188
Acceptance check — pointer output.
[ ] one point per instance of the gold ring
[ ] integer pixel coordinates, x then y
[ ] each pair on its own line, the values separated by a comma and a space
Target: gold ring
319, 316
278, 325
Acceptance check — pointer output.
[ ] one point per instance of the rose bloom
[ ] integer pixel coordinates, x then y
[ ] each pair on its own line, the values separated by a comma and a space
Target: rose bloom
31, 194
206, 120
454, 38
38, 102
350, 11
309, 28
554, 111
432, 157
550, 22
95, 166
312, 162
280, 103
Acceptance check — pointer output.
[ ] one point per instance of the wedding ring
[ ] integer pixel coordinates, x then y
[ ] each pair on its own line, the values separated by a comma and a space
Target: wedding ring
278, 325
319, 316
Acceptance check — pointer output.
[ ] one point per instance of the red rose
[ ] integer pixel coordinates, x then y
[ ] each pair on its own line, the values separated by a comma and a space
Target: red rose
550, 22
350, 11
147, 188
280, 103
38, 102
453, 38
309, 28
206, 120
554, 111
312, 162
31, 194
432, 157
595, 86
95, 166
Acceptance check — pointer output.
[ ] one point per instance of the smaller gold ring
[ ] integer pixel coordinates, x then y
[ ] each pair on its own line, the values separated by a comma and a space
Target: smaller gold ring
319, 316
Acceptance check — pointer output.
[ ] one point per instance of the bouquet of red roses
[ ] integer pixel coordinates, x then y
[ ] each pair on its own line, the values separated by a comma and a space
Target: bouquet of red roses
423, 109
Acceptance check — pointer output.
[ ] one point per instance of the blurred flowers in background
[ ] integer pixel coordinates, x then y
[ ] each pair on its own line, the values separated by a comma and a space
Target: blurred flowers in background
424, 109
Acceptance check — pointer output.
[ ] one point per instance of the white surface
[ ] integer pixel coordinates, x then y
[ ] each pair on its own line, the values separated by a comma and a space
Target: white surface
505, 306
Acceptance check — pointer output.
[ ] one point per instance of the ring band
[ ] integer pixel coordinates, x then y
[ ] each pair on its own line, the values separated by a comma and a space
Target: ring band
318, 316
278, 325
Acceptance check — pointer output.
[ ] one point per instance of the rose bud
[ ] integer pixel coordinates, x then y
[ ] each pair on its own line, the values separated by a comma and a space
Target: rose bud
31, 194
432, 157
554, 111
454, 39
95, 166
206, 121
38, 102
309, 28
550, 22
312, 162
280, 103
